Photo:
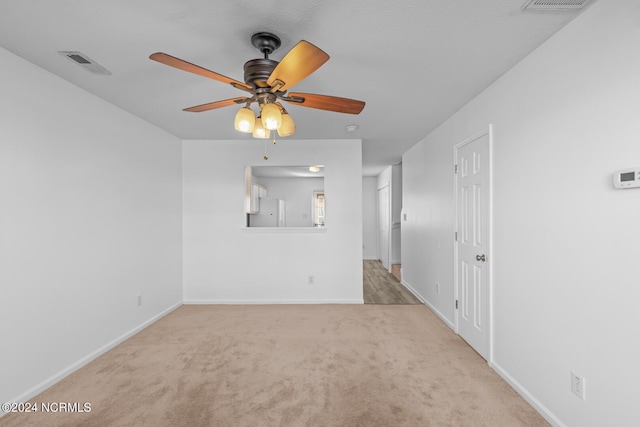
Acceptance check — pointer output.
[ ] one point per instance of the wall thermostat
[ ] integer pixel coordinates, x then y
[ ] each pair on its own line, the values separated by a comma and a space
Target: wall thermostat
627, 178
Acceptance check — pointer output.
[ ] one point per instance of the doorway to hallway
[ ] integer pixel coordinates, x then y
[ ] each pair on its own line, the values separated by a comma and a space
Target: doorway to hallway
381, 287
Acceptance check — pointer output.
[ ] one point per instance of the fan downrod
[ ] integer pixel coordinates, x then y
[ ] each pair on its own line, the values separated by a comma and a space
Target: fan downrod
265, 42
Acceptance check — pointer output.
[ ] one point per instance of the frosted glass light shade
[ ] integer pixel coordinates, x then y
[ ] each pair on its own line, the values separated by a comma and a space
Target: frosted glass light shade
288, 127
259, 131
245, 120
271, 116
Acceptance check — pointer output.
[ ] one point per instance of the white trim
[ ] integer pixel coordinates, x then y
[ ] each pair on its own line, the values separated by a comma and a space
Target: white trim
526, 395
490, 248
34, 391
387, 185
284, 229
271, 301
428, 304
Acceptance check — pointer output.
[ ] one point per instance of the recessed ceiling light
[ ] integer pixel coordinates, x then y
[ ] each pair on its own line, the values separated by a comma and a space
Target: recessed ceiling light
351, 128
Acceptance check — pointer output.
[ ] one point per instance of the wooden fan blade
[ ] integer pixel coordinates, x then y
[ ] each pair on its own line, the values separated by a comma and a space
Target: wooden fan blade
172, 61
302, 60
217, 104
324, 102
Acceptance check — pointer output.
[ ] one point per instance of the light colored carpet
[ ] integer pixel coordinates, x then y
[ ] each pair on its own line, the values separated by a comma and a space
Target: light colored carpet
289, 365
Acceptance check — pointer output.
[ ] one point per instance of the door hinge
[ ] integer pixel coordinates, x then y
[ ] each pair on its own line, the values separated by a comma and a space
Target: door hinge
456, 236
455, 169
456, 304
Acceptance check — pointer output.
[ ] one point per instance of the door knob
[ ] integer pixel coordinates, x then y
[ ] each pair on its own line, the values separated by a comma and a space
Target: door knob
481, 258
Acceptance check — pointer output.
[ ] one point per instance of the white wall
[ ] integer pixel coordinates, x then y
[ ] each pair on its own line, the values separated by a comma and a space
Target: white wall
369, 217
223, 262
90, 218
298, 196
565, 248
427, 233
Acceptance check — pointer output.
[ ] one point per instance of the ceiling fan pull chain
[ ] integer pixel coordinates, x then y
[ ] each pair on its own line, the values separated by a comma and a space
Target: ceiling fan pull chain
265, 150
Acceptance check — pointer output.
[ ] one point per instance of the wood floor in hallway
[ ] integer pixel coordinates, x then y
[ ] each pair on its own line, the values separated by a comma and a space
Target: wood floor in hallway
381, 287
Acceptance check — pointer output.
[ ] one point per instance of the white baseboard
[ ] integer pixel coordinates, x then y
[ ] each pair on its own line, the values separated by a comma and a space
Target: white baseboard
531, 400
269, 302
29, 394
428, 304
441, 316
535, 403
413, 291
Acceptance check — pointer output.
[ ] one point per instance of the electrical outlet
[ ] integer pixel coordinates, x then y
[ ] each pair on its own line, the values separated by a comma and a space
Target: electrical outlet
311, 280
577, 385
139, 300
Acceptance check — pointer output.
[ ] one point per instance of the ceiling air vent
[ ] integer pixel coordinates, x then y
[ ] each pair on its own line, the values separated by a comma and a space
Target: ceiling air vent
554, 4
86, 62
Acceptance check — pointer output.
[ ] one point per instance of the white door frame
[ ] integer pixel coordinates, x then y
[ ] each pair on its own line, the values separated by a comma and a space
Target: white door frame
489, 251
388, 209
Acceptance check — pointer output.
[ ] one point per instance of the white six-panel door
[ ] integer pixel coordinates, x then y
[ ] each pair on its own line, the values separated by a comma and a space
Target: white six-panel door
472, 244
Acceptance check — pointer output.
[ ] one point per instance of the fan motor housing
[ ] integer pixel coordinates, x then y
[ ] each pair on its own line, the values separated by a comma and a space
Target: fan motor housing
257, 71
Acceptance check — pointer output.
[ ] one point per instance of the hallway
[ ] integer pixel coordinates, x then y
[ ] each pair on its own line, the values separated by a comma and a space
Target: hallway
381, 287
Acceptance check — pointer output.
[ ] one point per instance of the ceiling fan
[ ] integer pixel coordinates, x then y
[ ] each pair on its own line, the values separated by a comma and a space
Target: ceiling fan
267, 82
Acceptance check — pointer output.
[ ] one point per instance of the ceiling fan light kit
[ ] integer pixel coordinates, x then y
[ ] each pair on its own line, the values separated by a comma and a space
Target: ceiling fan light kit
271, 116
267, 82
288, 127
245, 120
259, 131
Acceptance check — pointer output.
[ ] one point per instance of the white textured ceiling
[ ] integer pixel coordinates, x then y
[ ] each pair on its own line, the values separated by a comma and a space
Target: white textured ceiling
414, 62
